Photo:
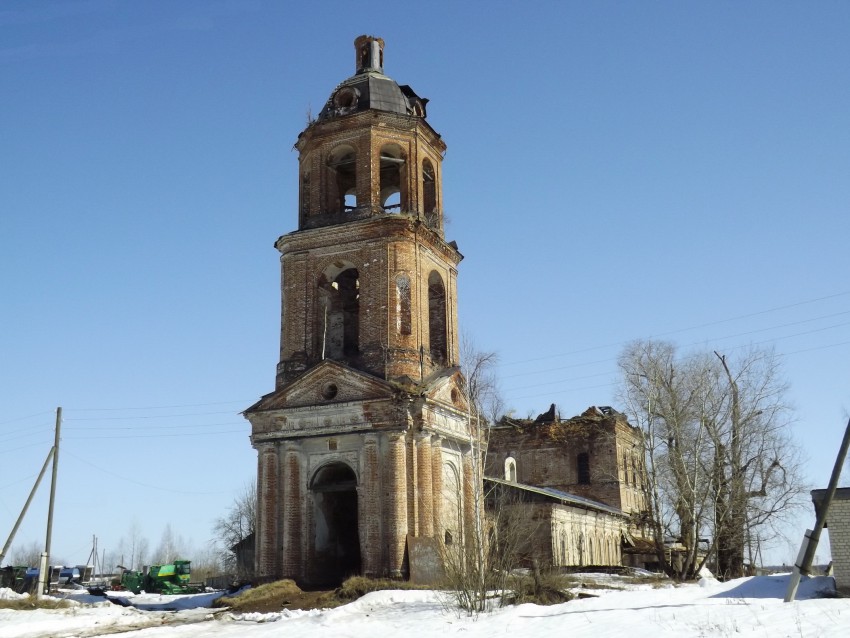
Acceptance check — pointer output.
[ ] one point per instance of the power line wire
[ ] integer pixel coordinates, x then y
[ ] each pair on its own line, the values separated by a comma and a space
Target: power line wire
678, 359
703, 341
129, 480
149, 416
152, 436
110, 428
162, 407
23, 418
680, 330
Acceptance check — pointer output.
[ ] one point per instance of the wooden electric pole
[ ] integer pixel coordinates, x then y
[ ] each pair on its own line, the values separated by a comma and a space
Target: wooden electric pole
812, 537
43, 576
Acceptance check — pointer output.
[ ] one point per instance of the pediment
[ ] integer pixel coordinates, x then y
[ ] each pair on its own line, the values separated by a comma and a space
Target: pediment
447, 386
326, 383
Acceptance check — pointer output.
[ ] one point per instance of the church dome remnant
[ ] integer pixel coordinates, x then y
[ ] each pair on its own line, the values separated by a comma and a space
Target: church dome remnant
369, 88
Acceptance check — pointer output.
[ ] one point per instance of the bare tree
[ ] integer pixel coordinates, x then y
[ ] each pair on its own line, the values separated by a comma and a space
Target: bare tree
720, 461
170, 547
761, 464
664, 400
137, 545
475, 567
239, 522
28, 555
482, 386
206, 563
483, 571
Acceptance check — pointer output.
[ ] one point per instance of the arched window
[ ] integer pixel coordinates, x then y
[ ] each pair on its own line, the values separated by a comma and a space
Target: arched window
393, 191
342, 180
583, 468
510, 469
339, 320
402, 287
451, 510
429, 192
437, 328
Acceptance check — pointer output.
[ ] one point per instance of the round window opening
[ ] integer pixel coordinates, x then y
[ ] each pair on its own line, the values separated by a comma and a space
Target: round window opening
345, 98
329, 390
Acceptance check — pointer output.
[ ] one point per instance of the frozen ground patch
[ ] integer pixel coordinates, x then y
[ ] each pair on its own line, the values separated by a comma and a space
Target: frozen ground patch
748, 606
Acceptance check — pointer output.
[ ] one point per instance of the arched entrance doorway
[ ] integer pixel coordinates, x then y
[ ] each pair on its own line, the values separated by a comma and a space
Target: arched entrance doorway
336, 542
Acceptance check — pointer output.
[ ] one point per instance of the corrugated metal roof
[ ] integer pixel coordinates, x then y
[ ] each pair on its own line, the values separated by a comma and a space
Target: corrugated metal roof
563, 497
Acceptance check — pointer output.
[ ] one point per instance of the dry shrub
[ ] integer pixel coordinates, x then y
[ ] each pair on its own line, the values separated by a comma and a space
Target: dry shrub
282, 593
26, 604
357, 586
258, 596
541, 587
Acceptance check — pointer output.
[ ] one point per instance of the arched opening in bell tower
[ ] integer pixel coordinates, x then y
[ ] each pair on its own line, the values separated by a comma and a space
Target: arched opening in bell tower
429, 193
335, 537
437, 328
339, 315
393, 188
342, 180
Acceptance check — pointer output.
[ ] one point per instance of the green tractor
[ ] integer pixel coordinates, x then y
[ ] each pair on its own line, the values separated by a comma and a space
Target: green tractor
161, 579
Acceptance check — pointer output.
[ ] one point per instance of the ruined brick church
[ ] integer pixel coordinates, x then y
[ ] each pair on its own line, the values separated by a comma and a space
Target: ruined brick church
363, 442
363, 445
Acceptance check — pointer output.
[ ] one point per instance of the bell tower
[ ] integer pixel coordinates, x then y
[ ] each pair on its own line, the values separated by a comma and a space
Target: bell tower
368, 279
368, 400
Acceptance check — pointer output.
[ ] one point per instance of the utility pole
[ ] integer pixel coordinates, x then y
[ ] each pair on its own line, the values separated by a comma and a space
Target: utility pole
812, 537
26, 506
43, 581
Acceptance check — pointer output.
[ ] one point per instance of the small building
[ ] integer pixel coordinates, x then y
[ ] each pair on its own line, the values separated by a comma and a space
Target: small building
560, 529
838, 523
589, 471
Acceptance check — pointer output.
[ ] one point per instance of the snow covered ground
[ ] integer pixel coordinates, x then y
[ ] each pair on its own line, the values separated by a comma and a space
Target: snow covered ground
749, 606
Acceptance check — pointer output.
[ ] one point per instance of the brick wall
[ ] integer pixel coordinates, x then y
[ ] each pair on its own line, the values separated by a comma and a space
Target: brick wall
838, 525
547, 456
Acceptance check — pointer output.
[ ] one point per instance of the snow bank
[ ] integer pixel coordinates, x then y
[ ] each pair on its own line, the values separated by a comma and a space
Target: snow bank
748, 606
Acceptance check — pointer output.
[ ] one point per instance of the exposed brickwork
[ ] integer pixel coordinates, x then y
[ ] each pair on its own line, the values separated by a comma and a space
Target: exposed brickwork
437, 483
269, 539
547, 455
839, 541
370, 508
292, 511
838, 525
424, 486
597, 455
412, 484
380, 249
356, 436
468, 499
396, 499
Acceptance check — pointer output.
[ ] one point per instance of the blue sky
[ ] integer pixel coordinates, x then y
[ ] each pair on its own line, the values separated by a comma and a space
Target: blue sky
615, 171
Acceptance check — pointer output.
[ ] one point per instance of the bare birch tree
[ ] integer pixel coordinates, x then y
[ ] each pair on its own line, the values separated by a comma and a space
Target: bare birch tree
720, 462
